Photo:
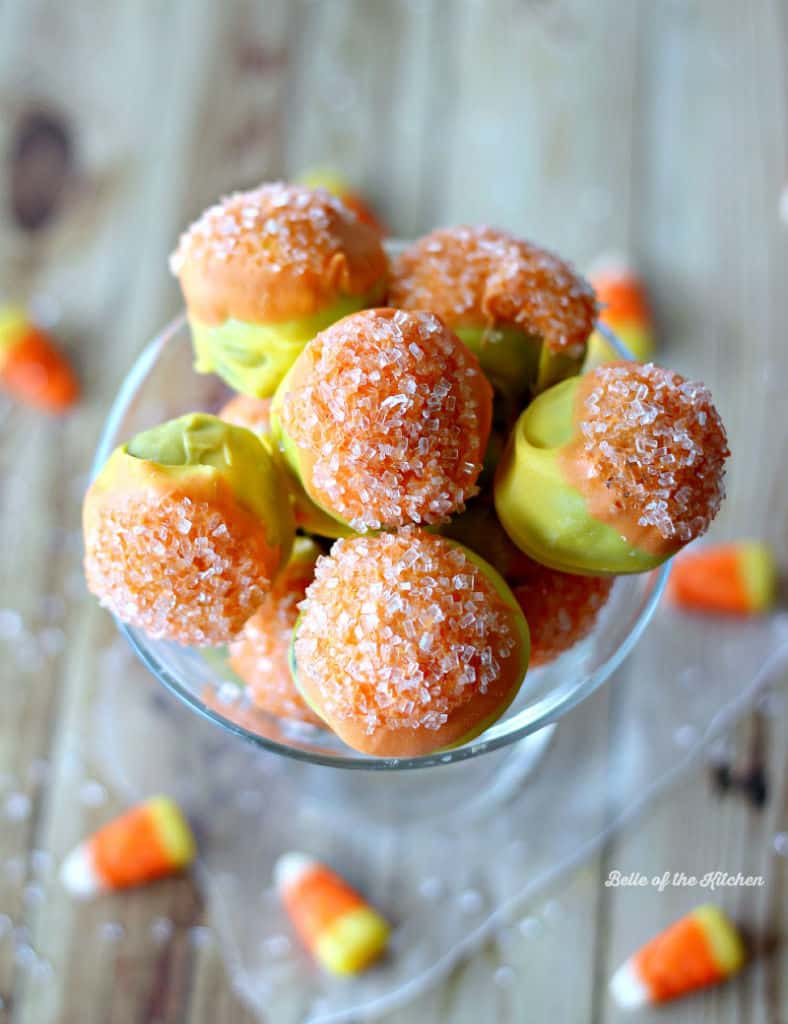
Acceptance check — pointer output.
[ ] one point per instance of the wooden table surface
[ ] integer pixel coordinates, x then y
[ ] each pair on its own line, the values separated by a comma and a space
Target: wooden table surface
660, 127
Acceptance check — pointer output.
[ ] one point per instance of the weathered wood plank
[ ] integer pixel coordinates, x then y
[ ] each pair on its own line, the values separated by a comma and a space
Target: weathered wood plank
442, 112
711, 163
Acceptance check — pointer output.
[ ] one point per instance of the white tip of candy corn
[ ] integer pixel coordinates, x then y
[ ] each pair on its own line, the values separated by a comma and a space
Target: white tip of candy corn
78, 874
290, 868
627, 989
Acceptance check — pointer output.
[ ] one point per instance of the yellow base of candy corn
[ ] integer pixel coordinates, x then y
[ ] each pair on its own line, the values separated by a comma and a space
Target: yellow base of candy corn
760, 574
175, 834
727, 947
353, 942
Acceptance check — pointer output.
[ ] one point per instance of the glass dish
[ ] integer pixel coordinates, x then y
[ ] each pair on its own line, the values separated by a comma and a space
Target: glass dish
162, 384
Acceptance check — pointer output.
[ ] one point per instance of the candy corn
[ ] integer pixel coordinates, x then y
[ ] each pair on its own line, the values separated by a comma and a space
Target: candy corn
624, 310
701, 949
337, 185
339, 928
31, 368
150, 841
738, 578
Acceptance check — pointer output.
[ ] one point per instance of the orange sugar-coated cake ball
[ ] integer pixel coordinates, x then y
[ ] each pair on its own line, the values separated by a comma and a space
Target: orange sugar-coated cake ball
252, 413
613, 472
255, 415
408, 643
260, 654
560, 608
263, 271
384, 419
525, 312
185, 530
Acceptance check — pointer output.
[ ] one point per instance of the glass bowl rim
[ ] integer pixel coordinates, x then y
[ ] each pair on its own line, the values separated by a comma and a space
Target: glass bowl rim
544, 712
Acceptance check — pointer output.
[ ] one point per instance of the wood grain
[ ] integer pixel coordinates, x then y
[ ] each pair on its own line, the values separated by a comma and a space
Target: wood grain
661, 128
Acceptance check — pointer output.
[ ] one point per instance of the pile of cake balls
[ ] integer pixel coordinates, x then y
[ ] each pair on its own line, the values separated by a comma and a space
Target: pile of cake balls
415, 492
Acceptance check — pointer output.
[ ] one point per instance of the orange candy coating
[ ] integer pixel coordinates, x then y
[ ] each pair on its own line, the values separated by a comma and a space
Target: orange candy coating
386, 415
651, 451
187, 552
274, 254
245, 411
260, 654
480, 276
560, 608
408, 643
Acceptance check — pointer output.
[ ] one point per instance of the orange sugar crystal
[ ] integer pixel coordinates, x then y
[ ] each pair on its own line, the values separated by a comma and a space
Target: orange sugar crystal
393, 413
245, 411
400, 630
472, 275
275, 253
184, 570
260, 654
656, 443
560, 608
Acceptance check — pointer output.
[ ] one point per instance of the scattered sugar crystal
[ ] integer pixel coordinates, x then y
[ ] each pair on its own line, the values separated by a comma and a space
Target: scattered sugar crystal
505, 976
41, 970
470, 901
17, 807
11, 623
431, 889
33, 894
24, 955
111, 931
276, 946
41, 862
92, 793
530, 927
200, 937
161, 930
657, 427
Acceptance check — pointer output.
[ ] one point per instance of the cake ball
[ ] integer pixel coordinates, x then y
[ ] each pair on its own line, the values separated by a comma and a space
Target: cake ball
613, 472
186, 527
260, 654
525, 313
408, 643
263, 271
384, 419
255, 415
560, 608
252, 413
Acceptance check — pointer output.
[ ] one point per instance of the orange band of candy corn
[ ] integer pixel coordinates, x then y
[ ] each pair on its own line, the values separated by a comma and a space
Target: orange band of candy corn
738, 578
148, 842
677, 961
316, 900
701, 949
